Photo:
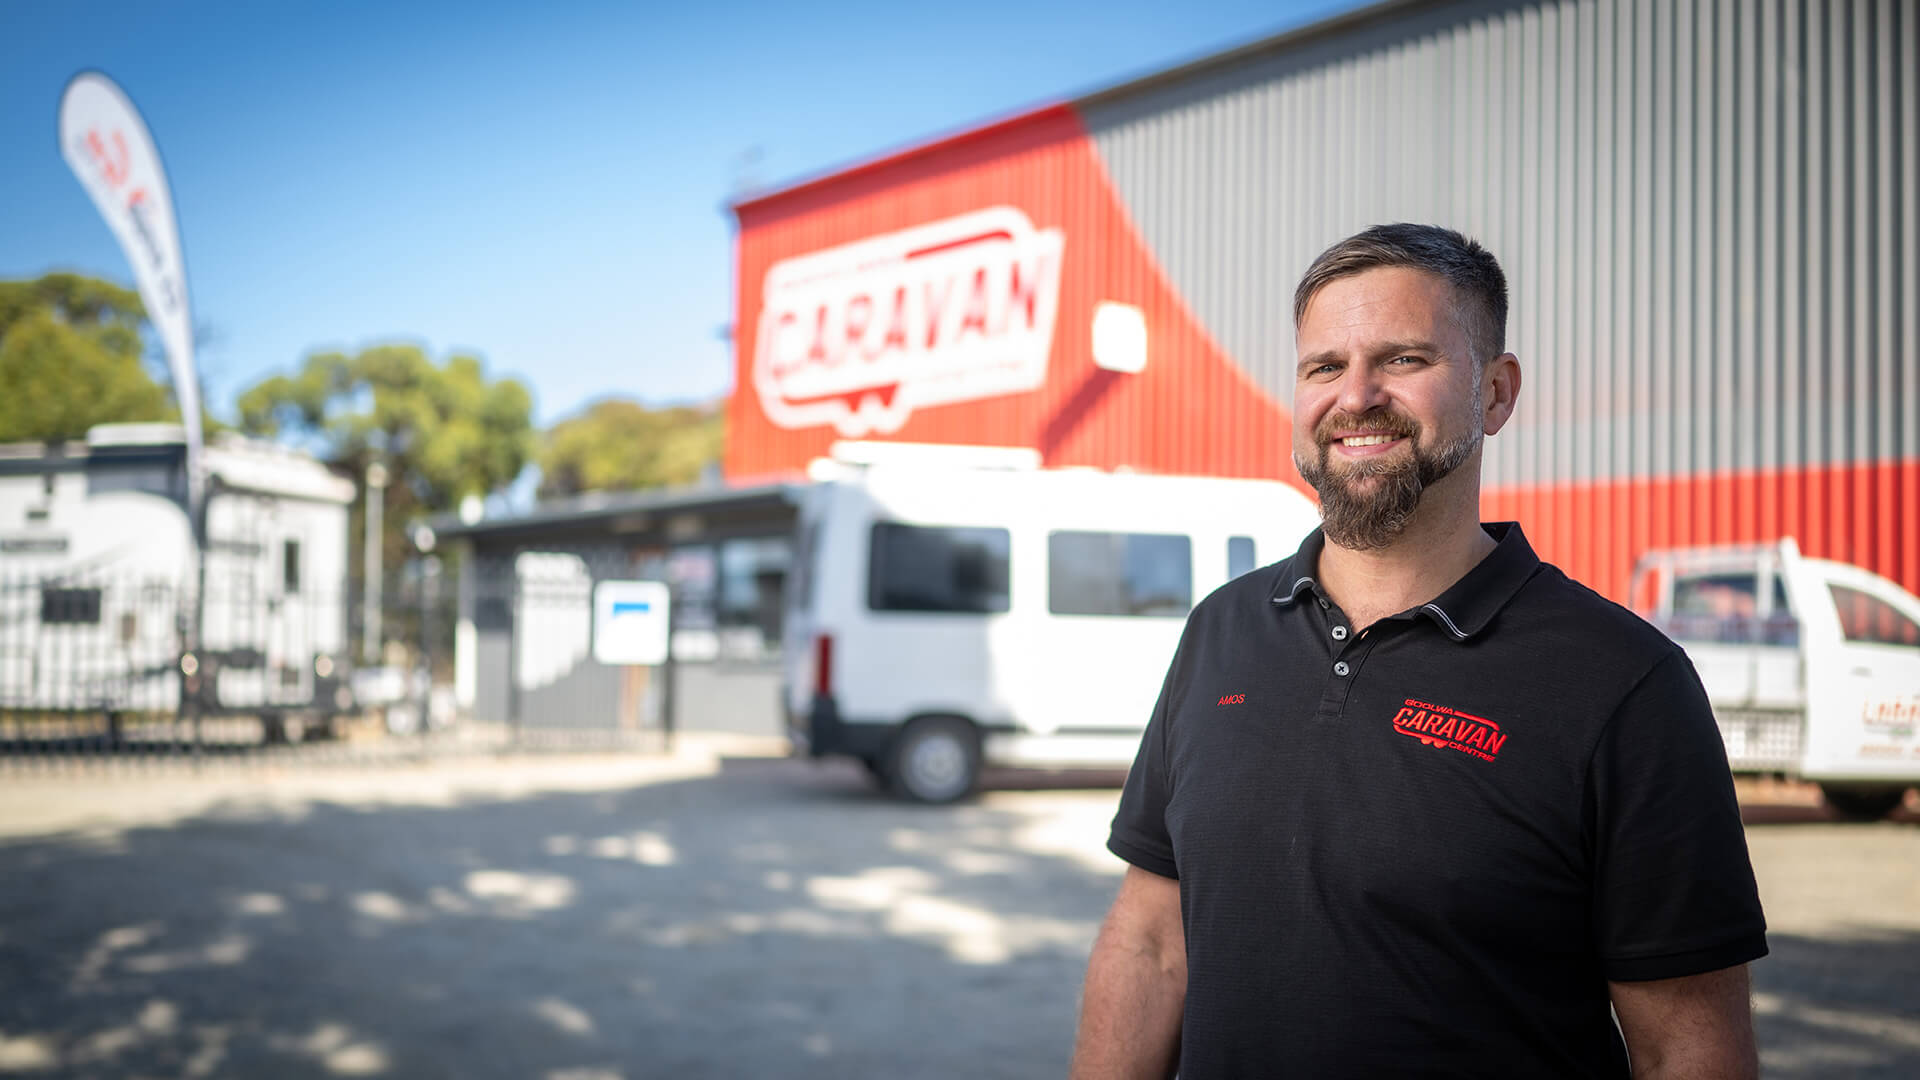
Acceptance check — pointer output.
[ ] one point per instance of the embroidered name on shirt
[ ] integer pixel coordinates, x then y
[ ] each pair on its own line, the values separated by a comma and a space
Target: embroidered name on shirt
1439, 726
1234, 699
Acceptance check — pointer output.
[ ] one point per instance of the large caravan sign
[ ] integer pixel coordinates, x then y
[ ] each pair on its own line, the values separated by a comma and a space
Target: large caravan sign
860, 335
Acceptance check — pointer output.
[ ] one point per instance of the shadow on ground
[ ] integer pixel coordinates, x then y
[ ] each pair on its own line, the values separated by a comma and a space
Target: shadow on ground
1840, 1008
772, 921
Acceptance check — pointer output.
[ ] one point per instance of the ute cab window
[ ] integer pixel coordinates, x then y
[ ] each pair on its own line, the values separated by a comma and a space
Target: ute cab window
1737, 607
1868, 620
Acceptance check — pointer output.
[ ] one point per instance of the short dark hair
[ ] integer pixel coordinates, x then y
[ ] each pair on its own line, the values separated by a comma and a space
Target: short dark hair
1470, 269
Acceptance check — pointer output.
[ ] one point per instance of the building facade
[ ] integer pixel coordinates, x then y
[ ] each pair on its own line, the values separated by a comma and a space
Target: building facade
1706, 209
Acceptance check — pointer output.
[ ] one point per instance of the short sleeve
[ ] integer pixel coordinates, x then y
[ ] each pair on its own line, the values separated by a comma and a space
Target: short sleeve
1674, 892
1140, 828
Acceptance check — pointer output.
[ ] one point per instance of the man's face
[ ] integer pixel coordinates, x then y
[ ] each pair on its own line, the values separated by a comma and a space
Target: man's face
1386, 400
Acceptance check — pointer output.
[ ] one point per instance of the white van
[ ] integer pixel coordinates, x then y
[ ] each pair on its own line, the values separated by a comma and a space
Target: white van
950, 610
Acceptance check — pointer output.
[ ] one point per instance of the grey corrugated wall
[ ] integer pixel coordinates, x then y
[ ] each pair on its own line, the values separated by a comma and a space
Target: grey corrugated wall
1706, 209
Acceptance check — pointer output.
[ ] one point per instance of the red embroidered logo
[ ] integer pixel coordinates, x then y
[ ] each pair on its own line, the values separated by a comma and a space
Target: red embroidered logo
1234, 699
1439, 726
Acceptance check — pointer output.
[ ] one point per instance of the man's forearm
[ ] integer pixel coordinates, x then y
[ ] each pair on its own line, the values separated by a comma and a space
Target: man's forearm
1130, 1017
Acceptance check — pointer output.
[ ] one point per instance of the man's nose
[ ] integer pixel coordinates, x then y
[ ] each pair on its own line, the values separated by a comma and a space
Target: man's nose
1361, 389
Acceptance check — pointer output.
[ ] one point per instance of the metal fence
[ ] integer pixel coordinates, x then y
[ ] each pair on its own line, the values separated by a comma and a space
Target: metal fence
97, 667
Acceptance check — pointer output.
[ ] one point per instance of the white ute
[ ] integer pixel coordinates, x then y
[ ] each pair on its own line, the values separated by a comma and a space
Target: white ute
1812, 666
958, 607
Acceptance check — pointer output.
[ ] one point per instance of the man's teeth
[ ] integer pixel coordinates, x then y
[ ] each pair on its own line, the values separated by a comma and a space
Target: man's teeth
1367, 440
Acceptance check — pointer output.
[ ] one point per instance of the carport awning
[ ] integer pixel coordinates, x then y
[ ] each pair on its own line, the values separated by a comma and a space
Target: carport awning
623, 511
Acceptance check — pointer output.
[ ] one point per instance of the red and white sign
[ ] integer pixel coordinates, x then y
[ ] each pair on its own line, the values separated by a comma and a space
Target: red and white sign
858, 336
108, 146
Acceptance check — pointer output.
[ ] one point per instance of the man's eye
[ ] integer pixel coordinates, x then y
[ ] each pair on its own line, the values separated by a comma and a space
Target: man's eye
1408, 360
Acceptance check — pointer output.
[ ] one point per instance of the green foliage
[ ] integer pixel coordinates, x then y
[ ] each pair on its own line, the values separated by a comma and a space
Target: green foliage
443, 431
70, 358
617, 444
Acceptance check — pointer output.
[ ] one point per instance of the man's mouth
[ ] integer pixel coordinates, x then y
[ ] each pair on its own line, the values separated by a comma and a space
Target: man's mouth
1374, 439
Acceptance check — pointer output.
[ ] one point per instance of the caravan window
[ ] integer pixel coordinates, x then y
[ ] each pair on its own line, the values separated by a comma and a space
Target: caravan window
290, 568
1098, 573
61, 606
922, 568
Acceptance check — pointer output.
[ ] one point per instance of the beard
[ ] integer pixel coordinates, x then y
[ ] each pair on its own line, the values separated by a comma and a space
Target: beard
1367, 504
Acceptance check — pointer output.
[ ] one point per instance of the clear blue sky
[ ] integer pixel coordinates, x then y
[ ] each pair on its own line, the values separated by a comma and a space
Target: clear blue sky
541, 184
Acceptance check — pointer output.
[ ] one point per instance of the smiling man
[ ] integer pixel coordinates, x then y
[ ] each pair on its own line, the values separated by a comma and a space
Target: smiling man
1462, 811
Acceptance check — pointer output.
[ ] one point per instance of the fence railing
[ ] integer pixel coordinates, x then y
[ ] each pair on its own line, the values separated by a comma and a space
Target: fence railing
97, 666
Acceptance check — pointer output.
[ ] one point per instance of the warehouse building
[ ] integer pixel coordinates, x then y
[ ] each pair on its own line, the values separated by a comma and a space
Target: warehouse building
1706, 209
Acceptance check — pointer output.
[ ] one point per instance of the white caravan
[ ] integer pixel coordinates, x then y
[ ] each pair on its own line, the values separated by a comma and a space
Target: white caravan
951, 608
1813, 667
97, 572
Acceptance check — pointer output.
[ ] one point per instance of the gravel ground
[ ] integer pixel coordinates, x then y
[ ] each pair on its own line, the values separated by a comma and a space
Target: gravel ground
717, 913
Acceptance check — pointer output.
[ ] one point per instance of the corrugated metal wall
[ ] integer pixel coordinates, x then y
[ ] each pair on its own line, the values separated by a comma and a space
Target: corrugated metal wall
1706, 208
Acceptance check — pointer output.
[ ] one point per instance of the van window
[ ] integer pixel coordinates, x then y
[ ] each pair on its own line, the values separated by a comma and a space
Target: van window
1098, 573
800, 579
934, 568
1867, 619
1240, 558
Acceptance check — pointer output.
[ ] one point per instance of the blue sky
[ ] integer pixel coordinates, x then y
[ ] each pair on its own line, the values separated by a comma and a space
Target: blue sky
540, 184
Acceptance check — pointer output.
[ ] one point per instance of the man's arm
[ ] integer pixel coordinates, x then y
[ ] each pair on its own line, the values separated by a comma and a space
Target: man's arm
1136, 985
1693, 1026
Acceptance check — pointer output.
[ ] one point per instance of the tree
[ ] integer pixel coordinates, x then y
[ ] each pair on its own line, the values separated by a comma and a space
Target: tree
617, 444
70, 358
443, 432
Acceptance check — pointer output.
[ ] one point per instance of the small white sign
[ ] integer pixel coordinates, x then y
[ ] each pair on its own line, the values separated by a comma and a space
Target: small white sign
630, 622
1120, 338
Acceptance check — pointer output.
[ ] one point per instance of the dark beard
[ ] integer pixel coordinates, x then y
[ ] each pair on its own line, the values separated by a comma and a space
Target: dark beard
1368, 520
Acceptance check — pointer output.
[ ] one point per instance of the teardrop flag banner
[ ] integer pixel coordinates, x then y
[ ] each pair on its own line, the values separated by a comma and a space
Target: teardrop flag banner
110, 149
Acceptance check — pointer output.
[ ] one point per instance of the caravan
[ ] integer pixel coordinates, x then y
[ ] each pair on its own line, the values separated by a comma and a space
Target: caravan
954, 608
98, 578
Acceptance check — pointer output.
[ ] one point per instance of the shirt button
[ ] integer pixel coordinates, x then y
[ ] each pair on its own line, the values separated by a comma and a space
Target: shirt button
1339, 633
1323, 605
1341, 668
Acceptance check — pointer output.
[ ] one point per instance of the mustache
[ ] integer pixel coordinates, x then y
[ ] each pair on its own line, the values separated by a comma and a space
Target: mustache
1380, 423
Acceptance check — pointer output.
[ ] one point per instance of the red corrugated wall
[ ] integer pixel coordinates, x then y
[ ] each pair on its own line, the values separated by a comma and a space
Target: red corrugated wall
1191, 411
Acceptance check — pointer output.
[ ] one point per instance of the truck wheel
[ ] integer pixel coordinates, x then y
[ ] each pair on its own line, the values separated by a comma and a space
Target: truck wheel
1863, 803
935, 760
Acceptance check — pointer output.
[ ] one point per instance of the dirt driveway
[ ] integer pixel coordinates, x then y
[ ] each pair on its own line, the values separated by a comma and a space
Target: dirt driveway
713, 915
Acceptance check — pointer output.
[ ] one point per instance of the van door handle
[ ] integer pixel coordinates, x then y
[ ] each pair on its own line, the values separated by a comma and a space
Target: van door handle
1866, 671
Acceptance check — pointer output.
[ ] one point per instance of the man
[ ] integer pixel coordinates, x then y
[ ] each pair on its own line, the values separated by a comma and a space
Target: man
1411, 801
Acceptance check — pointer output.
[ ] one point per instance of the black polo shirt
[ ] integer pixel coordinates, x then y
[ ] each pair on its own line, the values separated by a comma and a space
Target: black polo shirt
1427, 848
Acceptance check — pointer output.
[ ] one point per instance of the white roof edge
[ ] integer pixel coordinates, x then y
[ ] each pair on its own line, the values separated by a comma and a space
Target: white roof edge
160, 434
874, 452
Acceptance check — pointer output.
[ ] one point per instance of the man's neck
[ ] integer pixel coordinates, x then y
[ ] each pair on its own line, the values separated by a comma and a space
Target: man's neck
1441, 543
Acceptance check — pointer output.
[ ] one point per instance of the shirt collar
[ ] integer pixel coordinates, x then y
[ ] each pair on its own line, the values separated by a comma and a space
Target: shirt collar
1464, 609
1297, 570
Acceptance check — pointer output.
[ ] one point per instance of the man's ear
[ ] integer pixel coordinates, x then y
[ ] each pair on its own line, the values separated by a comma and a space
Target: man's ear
1499, 389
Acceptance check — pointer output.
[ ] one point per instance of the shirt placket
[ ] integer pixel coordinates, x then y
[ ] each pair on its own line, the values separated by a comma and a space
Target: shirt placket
1346, 653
